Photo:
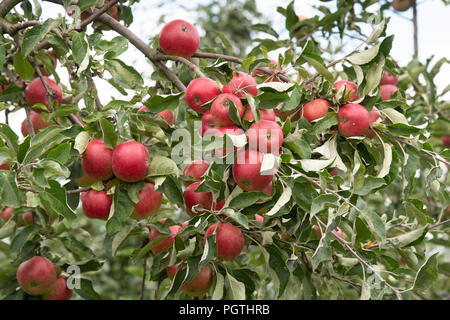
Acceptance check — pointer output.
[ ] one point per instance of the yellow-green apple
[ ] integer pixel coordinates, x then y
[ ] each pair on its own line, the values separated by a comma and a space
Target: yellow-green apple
130, 161
241, 83
199, 92
179, 38
97, 160
349, 87
246, 171
35, 92
37, 275
149, 201
265, 136
96, 204
353, 120
221, 106
229, 240
199, 284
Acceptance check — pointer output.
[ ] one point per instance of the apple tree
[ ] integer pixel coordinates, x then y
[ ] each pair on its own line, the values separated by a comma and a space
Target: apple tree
285, 167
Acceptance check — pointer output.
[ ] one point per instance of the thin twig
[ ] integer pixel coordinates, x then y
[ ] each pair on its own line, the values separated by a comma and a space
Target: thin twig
98, 13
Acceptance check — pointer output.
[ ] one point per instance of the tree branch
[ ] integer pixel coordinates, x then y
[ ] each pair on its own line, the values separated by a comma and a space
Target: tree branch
416, 31
98, 13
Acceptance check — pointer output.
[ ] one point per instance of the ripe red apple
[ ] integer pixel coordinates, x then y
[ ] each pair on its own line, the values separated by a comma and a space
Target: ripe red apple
221, 106
264, 114
192, 198
401, 5
315, 109
241, 83
27, 217
179, 38
374, 114
349, 87
130, 161
207, 122
60, 291
4, 166
259, 218
229, 240
97, 160
199, 92
387, 90
36, 276
149, 201
246, 171
265, 136
195, 170
165, 244
353, 120
167, 115
446, 141
220, 132
37, 121
35, 92
96, 204
388, 78
6, 214
199, 284
268, 189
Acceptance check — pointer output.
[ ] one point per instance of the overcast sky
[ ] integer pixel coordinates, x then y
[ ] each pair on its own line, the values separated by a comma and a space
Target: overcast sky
433, 20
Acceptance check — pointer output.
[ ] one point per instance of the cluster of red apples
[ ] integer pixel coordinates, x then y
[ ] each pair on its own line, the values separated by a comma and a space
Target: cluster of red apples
38, 277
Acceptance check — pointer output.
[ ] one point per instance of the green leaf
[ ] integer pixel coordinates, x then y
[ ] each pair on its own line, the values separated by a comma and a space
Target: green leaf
322, 202
278, 266
427, 274
54, 200
363, 57
320, 67
79, 47
329, 120
218, 288
121, 236
87, 291
162, 166
322, 253
127, 77
235, 288
246, 199
370, 183
36, 34
61, 153
375, 224
282, 200
158, 103
109, 134
264, 28
9, 193
23, 67
19, 240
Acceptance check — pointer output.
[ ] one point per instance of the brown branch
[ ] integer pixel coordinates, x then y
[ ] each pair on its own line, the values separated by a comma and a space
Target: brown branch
7, 5
98, 13
416, 32
141, 296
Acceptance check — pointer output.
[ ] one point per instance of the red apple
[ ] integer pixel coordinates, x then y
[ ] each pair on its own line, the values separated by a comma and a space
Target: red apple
268, 189
259, 218
37, 121
195, 170
315, 109
60, 291
302, 18
4, 166
264, 114
35, 92
179, 38
265, 136
165, 244
353, 120
349, 87
246, 171
199, 284
199, 92
446, 141
388, 78
27, 217
97, 160
220, 132
387, 90
96, 204
401, 5
172, 270
192, 198
167, 115
374, 114
130, 161
241, 83
207, 122
221, 106
229, 240
7, 213
36, 276
149, 201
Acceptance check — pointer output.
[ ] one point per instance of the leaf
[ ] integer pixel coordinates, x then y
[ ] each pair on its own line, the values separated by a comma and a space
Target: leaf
218, 288
162, 166
123, 207
363, 57
127, 77
246, 199
323, 201
377, 31
54, 200
79, 47
375, 224
36, 34
365, 291
9, 193
427, 274
387, 160
81, 141
320, 67
282, 200
329, 120
9, 136
264, 28
87, 291
322, 253
235, 288
7, 229
278, 266
410, 238
370, 183
121, 236
394, 116
109, 135
23, 67
19, 240
158, 103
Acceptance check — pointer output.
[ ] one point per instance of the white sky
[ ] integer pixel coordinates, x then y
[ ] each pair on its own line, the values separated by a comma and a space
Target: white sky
433, 20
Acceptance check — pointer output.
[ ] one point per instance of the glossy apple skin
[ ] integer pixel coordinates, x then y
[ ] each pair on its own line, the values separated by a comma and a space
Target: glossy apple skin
268, 189
349, 86
387, 90
97, 160
195, 170
201, 91
37, 121
401, 5
130, 161
446, 141
149, 202
388, 78
207, 122
35, 92
241, 83
37, 275
353, 120
374, 115
221, 106
229, 240
265, 136
96, 204
315, 109
264, 114
165, 244
246, 171
179, 38
192, 198
60, 291
199, 284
